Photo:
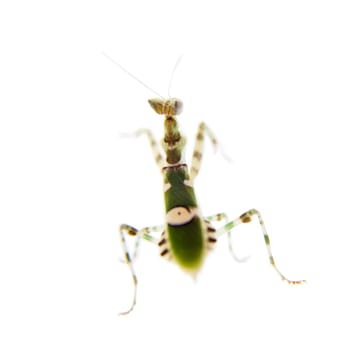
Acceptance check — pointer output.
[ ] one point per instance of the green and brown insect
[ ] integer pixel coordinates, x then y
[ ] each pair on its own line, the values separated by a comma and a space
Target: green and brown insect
186, 237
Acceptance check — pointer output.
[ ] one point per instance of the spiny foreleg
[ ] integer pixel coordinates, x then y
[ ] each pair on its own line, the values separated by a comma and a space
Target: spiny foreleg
198, 148
153, 143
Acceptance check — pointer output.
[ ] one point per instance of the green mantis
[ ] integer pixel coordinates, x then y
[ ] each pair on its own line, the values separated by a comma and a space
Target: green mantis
186, 237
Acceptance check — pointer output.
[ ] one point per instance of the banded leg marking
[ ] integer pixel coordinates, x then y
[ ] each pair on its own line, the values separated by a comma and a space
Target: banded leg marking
211, 231
211, 238
164, 246
246, 218
143, 233
198, 148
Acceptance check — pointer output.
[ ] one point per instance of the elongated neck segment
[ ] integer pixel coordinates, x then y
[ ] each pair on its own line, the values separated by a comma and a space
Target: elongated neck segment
173, 143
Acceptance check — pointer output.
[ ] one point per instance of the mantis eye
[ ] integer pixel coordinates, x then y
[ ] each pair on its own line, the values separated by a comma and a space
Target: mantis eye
178, 106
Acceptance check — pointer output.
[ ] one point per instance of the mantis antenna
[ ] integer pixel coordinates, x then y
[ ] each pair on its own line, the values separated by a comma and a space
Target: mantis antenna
173, 72
132, 76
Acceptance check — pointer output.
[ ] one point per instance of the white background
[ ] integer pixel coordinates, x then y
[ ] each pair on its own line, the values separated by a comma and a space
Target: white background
271, 78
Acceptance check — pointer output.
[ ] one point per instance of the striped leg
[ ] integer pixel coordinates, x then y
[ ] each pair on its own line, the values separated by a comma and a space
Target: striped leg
138, 234
244, 219
217, 217
153, 143
198, 148
223, 217
129, 258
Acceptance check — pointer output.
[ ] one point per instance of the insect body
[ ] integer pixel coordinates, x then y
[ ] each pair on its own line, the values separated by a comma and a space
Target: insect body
187, 236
